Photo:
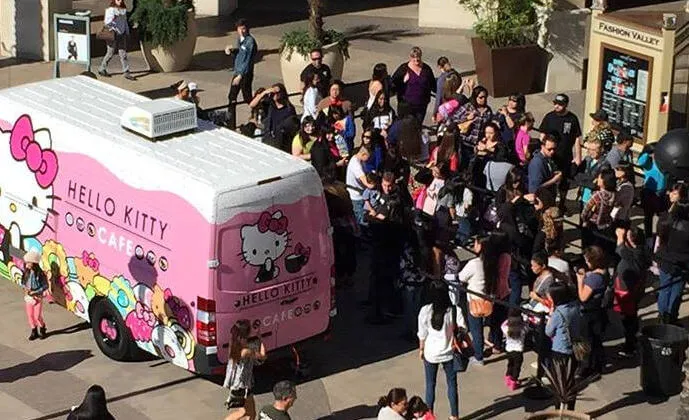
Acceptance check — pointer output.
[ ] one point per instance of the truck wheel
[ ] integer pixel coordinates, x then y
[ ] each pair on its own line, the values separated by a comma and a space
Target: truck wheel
110, 332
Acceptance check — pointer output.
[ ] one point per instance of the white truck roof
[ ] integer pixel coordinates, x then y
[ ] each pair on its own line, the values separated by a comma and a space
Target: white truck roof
85, 118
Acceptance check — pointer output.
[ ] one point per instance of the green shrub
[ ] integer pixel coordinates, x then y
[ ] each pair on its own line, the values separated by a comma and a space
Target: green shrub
504, 23
162, 22
301, 42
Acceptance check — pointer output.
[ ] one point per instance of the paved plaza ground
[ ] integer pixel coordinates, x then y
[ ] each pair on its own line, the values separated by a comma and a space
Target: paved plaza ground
42, 379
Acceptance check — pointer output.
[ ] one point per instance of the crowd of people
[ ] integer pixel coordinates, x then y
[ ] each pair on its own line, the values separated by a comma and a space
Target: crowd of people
402, 198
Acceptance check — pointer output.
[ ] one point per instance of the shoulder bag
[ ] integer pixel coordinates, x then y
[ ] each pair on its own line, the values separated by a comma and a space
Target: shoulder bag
236, 397
480, 308
106, 34
580, 348
461, 345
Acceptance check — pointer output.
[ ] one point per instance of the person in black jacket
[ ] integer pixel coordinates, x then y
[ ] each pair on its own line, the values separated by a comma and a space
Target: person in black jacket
94, 406
673, 257
414, 81
281, 123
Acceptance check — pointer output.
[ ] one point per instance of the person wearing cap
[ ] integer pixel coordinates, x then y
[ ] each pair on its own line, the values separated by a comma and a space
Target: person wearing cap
622, 151
564, 125
601, 130
243, 75
35, 284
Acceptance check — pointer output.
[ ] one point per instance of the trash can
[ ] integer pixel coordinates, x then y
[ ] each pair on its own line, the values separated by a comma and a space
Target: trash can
662, 355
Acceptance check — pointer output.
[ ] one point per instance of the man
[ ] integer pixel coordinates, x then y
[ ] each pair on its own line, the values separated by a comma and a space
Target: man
590, 168
323, 70
386, 226
540, 171
621, 152
601, 130
285, 393
565, 125
243, 75
445, 70
357, 182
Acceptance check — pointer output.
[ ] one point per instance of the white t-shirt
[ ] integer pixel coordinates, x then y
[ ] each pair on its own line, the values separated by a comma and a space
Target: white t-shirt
559, 264
437, 343
512, 344
496, 173
387, 413
355, 170
431, 201
311, 100
473, 275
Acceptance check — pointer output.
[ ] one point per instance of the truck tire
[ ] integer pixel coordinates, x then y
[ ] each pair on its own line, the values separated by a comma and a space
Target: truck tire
110, 332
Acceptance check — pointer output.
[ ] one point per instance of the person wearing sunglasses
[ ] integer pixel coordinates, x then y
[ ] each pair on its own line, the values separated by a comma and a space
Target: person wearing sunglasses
540, 172
321, 69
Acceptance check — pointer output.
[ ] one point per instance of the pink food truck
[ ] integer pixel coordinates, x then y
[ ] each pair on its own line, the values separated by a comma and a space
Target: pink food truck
158, 229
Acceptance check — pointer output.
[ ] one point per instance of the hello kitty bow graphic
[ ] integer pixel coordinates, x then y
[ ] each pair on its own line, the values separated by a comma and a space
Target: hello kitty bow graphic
24, 147
90, 261
269, 223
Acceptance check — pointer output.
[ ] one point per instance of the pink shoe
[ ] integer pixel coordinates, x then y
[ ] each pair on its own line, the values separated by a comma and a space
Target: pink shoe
514, 384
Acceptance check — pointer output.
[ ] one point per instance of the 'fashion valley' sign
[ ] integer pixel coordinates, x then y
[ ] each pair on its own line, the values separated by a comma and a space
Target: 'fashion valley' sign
628, 34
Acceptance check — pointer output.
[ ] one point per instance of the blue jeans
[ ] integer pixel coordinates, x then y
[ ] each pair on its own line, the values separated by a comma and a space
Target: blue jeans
515, 287
476, 330
431, 372
412, 305
359, 211
670, 297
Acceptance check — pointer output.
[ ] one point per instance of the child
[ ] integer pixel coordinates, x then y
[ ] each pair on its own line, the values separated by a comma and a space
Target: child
417, 409
514, 329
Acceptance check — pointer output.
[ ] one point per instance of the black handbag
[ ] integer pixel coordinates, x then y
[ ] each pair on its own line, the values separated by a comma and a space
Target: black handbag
460, 352
237, 398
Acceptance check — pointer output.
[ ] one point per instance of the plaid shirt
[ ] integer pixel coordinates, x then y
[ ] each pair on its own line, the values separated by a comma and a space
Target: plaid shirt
480, 121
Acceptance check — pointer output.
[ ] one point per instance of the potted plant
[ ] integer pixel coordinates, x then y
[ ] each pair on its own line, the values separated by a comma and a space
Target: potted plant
565, 387
168, 33
296, 45
507, 33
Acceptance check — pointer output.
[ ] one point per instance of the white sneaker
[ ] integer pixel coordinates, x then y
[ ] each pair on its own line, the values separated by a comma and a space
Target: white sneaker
475, 362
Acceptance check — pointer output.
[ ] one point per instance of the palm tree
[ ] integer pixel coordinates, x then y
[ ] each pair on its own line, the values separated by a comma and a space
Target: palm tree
316, 19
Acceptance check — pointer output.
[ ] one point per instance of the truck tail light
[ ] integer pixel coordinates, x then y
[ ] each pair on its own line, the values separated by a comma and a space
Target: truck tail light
206, 333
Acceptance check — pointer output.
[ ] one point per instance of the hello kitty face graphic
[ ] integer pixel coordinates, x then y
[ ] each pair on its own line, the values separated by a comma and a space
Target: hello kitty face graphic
263, 243
29, 167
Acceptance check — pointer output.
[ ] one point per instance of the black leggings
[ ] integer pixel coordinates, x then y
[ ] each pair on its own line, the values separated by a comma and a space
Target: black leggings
514, 364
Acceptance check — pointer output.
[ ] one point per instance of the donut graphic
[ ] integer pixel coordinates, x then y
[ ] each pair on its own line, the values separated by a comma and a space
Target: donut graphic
69, 219
163, 264
81, 225
151, 258
91, 230
139, 252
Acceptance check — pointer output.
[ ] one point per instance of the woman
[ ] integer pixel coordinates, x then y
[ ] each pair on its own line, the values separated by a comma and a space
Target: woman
472, 118
35, 285
393, 406
376, 84
280, 112
509, 116
596, 217
334, 99
414, 82
550, 237
491, 146
522, 139
437, 325
116, 20
591, 285
544, 279
245, 352
93, 407
563, 325
673, 254
374, 141
380, 114
405, 132
446, 151
480, 274
624, 194
325, 155
500, 243
311, 97
305, 139
341, 215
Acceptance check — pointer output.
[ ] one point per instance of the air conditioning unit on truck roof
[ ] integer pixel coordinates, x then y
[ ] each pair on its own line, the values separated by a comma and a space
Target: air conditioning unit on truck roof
160, 117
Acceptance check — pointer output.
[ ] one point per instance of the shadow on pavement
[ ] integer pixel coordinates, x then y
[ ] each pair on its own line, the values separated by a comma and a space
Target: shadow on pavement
71, 329
358, 412
631, 398
57, 361
508, 403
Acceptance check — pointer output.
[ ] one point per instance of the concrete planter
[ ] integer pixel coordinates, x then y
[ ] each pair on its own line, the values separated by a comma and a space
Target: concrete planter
495, 68
291, 68
557, 414
176, 57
